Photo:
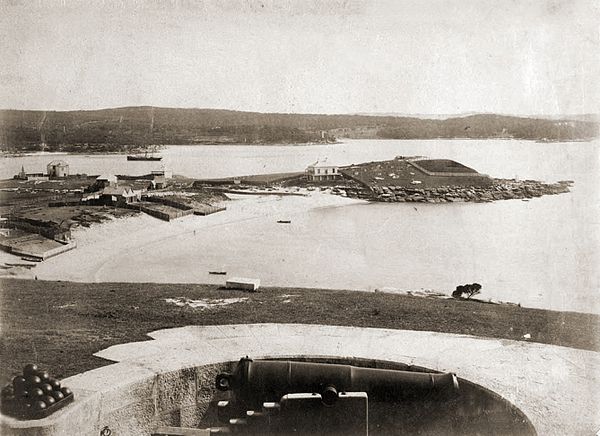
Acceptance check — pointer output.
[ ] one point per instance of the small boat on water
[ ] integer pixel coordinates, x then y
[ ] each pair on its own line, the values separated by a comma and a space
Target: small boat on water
283, 221
219, 273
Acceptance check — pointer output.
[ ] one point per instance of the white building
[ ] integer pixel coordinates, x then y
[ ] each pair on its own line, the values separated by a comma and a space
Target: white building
322, 170
58, 168
107, 180
159, 178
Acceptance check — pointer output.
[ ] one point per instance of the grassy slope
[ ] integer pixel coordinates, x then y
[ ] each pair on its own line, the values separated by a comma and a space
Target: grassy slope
60, 324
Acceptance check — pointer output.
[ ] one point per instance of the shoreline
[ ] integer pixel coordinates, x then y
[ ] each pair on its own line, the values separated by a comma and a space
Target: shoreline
10, 154
340, 140
101, 242
115, 251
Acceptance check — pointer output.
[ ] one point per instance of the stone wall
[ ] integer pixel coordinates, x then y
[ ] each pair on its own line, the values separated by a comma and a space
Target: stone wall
170, 380
445, 173
499, 190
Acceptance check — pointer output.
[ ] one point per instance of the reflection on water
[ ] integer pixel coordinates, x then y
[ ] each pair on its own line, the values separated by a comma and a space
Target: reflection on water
541, 253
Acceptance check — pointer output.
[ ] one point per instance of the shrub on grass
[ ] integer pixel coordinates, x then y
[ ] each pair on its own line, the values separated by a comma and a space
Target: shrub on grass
468, 290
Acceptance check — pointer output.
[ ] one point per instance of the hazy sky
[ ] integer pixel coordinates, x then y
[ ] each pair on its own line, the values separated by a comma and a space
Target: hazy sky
341, 56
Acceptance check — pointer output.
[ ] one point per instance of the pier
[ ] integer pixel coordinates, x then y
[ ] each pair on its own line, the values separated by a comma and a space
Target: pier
33, 246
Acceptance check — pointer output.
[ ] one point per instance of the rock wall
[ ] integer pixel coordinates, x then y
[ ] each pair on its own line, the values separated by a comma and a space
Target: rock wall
500, 189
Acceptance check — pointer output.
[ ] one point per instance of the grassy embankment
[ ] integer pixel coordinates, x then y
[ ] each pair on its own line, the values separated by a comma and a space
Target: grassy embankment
59, 325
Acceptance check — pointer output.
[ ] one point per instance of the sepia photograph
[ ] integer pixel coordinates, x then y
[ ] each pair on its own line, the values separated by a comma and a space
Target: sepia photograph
299, 217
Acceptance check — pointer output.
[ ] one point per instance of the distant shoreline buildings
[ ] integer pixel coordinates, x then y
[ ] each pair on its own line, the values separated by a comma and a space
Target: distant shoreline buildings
322, 170
54, 170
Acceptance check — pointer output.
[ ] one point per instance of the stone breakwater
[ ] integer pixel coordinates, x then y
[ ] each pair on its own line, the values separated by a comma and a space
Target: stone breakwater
500, 189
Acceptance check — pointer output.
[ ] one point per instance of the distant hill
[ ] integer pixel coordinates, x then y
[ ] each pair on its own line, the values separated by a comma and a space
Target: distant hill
128, 128
575, 117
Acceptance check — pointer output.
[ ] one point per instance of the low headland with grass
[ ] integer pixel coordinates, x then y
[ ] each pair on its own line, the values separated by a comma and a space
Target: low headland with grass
59, 325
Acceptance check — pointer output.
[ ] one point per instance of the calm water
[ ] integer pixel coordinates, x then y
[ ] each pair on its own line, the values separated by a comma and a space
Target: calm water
541, 253
525, 159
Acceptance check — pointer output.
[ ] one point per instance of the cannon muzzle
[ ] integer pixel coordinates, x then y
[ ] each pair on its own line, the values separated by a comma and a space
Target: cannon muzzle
255, 382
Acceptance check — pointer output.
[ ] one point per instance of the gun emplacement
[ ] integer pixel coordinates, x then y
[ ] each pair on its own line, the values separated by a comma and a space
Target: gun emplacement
255, 382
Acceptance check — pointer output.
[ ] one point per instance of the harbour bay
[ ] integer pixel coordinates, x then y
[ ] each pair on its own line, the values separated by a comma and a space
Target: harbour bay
539, 253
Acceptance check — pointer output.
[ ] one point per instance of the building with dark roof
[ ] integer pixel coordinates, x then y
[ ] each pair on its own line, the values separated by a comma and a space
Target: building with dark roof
120, 195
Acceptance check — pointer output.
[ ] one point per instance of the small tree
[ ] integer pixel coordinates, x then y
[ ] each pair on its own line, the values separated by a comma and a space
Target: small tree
460, 289
473, 289
468, 290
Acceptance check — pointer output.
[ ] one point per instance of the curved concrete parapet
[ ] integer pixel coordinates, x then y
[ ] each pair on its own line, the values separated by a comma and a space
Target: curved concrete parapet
169, 380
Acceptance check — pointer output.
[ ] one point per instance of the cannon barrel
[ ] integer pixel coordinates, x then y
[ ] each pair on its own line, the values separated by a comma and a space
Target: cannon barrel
258, 381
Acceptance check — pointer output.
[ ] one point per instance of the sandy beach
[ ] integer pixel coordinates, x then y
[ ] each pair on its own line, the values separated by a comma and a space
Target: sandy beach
106, 251
339, 243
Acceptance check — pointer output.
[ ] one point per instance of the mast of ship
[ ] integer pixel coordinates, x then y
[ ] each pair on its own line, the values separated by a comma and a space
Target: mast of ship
41, 130
151, 127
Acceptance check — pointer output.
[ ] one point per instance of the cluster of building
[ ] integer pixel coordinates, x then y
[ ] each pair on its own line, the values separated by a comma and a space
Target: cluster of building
54, 170
108, 190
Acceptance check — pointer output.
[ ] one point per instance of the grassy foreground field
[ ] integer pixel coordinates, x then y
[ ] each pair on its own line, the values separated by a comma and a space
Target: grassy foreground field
59, 325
